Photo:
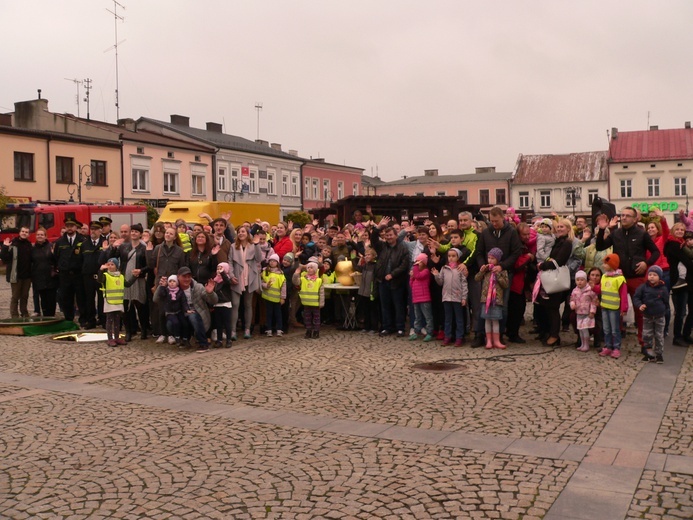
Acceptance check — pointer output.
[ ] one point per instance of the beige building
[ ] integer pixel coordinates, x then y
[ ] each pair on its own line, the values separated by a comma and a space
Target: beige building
485, 187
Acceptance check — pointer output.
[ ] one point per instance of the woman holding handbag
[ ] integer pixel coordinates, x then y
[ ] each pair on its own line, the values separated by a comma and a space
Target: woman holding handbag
560, 253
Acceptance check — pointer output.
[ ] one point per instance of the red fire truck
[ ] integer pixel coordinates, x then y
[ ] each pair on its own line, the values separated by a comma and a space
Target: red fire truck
51, 217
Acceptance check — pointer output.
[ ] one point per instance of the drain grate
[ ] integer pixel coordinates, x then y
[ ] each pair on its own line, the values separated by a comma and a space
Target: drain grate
437, 367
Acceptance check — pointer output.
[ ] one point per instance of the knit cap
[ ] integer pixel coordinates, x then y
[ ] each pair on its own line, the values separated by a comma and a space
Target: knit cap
274, 257
496, 253
173, 277
328, 261
547, 221
313, 264
422, 258
581, 275
115, 261
656, 269
290, 256
459, 253
612, 260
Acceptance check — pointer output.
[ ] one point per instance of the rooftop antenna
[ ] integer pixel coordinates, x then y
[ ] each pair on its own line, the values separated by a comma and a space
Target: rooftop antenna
87, 88
116, 17
648, 121
77, 82
258, 107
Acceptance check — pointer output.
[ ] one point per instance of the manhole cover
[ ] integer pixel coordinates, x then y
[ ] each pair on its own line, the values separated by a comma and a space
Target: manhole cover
437, 367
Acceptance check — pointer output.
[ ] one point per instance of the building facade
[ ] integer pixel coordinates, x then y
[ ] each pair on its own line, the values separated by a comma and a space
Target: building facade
651, 168
324, 183
563, 184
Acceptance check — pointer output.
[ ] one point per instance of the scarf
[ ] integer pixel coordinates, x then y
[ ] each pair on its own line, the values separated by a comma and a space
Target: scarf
173, 292
491, 296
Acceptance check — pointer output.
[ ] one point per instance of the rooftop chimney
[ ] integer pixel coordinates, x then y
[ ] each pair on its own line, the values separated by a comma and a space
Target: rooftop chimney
614, 132
215, 127
277, 146
687, 124
485, 169
180, 120
262, 142
430, 173
654, 127
128, 124
319, 159
293, 152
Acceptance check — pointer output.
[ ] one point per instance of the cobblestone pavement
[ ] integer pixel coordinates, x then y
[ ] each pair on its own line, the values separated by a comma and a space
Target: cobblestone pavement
523, 428
676, 431
663, 495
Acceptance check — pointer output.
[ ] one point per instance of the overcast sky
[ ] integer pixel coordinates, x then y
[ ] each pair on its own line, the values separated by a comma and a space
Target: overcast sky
398, 85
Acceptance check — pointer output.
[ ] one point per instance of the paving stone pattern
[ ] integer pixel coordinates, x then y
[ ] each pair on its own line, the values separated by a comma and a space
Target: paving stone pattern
663, 496
676, 431
76, 458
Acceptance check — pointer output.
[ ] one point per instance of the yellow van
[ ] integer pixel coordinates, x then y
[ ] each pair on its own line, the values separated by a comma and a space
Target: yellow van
240, 211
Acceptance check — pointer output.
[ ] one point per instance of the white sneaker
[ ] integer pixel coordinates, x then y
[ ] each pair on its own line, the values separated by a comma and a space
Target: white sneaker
280, 333
214, 335
171, 340
411, 331
161, 339
268, 333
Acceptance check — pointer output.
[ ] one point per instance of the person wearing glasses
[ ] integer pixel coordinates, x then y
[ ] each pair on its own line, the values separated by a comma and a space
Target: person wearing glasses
630, 242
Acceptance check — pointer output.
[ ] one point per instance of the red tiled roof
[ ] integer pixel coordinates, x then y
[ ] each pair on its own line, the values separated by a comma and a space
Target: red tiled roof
571, 167
651, 145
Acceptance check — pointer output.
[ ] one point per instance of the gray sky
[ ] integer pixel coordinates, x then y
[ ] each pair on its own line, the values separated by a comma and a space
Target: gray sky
401, 85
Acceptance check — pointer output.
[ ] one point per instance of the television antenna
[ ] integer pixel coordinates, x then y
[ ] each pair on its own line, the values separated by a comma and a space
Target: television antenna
87, 88
77, 82
258, 107
116, 17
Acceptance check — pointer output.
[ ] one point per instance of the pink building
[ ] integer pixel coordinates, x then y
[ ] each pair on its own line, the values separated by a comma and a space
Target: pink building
324, 183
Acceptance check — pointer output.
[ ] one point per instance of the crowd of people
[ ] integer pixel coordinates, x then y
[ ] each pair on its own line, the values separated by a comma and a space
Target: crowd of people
467, 279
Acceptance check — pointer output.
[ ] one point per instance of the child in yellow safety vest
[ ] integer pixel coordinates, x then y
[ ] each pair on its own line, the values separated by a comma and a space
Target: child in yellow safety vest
614, 304
113, 286
274, 294
312, 295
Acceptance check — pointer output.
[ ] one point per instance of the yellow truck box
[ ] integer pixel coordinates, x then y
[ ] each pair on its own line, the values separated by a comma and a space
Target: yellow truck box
240, 211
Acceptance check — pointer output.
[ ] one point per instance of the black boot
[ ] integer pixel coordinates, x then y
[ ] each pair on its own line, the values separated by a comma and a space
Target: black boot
479, 340
309, 333
128, 335
316, 334
144, 333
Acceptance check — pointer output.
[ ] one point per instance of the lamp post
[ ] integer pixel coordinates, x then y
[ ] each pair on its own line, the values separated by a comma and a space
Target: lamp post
78, 186
234, 191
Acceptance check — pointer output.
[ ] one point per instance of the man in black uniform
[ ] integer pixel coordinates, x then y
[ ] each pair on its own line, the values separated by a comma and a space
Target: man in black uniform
91, 265
105, 226
67, 254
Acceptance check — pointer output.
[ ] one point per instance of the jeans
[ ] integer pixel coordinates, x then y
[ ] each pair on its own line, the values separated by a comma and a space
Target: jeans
393, 302
653, 332
195, 321
222, 320
611, 321
454, 311
423, 312
174, 324
273, 312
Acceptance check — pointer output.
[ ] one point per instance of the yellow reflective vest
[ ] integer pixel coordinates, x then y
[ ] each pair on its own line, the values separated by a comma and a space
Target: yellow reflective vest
113, 288
276, 281
610, 286
310, 291
185, 242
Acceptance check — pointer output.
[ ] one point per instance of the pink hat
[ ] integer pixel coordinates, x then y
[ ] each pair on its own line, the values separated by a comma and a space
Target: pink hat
422, 258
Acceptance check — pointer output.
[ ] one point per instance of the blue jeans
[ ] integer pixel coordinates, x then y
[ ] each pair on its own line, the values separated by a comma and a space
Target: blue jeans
423, 311
198, 326
611, 321
454, 311
274, 316
393, 303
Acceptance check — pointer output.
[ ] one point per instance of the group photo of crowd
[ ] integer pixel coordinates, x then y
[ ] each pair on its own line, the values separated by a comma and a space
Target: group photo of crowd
464, 282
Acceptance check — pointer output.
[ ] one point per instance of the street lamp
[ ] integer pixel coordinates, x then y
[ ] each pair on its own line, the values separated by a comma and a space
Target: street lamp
234, 191
78, 187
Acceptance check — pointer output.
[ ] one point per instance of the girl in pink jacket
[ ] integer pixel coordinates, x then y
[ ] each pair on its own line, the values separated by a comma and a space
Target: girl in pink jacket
584, 302
420, 280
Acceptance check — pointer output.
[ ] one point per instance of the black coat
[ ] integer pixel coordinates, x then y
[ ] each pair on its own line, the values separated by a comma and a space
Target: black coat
17, 256
393, 260
509, 242
43, 268
68, 258
630, 245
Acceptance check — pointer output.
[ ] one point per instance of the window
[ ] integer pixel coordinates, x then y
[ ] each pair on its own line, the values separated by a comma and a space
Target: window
327, 195
340, 190
235, 174
306, 191
680, 187
140, 180
591, 196
420, 194
316, 187
355, 189
23, 166
500, 196
524, 199
98, 173
140, 150
484, 197
545, 198
170, 182
270, 183
462, 195
294, 185
222, 180
285, 184
569, 203
63, 170
198, 158
653, 187
626, 188
252, 180
170, 155
198, 184
440, 194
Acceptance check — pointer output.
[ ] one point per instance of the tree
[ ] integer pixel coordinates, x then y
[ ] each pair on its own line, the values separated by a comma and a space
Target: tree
152, 213
299, 218
4, 198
